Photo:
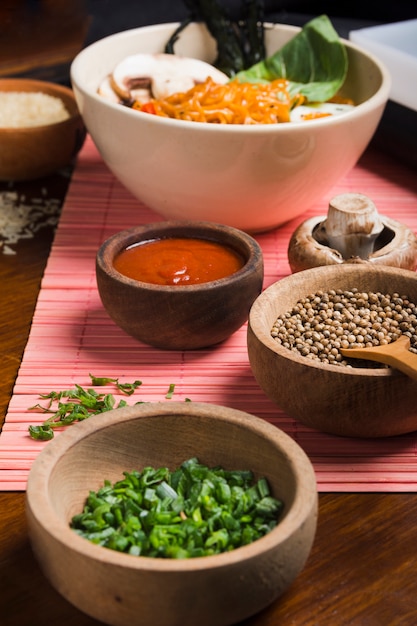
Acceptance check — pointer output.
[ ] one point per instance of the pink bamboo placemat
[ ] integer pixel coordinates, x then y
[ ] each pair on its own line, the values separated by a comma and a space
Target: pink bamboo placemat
71, 335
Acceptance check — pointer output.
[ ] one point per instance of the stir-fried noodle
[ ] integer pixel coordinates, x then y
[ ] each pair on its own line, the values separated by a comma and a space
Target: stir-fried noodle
232, 103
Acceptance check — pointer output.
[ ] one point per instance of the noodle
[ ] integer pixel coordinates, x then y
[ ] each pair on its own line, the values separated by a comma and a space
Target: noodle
232, 103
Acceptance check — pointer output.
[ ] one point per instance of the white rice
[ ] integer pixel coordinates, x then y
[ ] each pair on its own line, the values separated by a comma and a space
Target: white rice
21, 109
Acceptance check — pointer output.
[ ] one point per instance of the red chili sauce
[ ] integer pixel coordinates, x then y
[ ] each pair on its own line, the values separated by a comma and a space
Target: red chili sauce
178, 261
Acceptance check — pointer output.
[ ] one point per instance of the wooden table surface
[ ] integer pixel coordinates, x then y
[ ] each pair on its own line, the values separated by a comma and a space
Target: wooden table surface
361, 571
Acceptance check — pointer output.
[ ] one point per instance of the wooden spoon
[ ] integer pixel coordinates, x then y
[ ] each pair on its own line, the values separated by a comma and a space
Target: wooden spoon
395, 354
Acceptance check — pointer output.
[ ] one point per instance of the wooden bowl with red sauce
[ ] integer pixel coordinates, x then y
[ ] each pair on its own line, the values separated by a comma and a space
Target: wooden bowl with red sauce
179, 285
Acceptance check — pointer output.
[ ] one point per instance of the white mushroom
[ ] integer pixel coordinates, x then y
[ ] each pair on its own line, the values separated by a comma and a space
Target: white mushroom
353, 232
142, 76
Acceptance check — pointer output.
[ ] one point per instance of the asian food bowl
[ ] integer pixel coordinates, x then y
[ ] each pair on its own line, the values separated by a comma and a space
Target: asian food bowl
124, 589
44, 131
252, 177
180, 315
355, 401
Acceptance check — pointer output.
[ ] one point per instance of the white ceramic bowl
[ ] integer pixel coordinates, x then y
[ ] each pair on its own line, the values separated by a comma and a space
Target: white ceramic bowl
250, 177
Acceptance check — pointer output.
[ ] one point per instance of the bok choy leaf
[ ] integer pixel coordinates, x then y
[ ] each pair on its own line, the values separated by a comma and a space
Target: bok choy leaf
314, 62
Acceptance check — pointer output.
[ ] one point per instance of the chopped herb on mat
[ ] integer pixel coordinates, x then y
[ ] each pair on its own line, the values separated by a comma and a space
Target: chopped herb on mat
77, 404
193, 511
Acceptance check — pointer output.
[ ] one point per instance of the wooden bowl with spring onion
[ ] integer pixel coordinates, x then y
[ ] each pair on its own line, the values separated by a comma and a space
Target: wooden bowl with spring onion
41, 129
121, 588
356, 399
185, 297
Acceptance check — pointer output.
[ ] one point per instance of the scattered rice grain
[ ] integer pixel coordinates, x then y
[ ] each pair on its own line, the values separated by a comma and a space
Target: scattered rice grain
20, 219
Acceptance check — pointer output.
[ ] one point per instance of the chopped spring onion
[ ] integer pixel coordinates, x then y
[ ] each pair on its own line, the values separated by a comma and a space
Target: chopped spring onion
77, 404
191, 512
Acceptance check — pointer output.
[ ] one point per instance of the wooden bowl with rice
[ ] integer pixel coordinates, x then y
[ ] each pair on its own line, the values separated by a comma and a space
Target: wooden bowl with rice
41, 130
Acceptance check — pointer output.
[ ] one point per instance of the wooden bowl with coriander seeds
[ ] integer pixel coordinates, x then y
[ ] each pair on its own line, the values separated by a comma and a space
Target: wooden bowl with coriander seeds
122, 589
356, 399
172, 300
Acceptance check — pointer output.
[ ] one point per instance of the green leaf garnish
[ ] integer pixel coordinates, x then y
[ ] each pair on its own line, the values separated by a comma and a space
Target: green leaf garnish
127, 388
314, 61
170, 392
43, 432
75, 405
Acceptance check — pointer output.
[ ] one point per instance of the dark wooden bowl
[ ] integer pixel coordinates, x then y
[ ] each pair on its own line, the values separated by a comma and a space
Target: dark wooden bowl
37, 151
340, 400
122, 589
180, 317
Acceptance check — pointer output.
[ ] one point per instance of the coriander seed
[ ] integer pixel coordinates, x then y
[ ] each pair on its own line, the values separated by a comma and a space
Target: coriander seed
322, 323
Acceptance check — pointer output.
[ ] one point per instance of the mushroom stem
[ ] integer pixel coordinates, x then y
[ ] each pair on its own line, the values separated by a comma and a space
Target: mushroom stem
352, 226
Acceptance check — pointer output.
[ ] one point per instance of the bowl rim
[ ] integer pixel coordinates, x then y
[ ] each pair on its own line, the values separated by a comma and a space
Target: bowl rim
263, 336
37, 500
378, 98
39, 86
110, 248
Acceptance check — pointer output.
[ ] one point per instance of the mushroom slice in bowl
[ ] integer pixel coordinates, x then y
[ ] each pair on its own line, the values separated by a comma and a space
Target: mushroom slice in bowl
144, 76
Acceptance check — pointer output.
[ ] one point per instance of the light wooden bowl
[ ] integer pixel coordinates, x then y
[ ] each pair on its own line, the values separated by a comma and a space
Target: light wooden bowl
180, 317
122, 589
38, 151
344, 401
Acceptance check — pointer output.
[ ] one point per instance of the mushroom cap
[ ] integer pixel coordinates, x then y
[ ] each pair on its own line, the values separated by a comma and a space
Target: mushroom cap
160, 75
305, 251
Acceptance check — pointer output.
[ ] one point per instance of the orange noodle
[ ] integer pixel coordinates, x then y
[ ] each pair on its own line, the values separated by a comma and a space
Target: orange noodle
232, 103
